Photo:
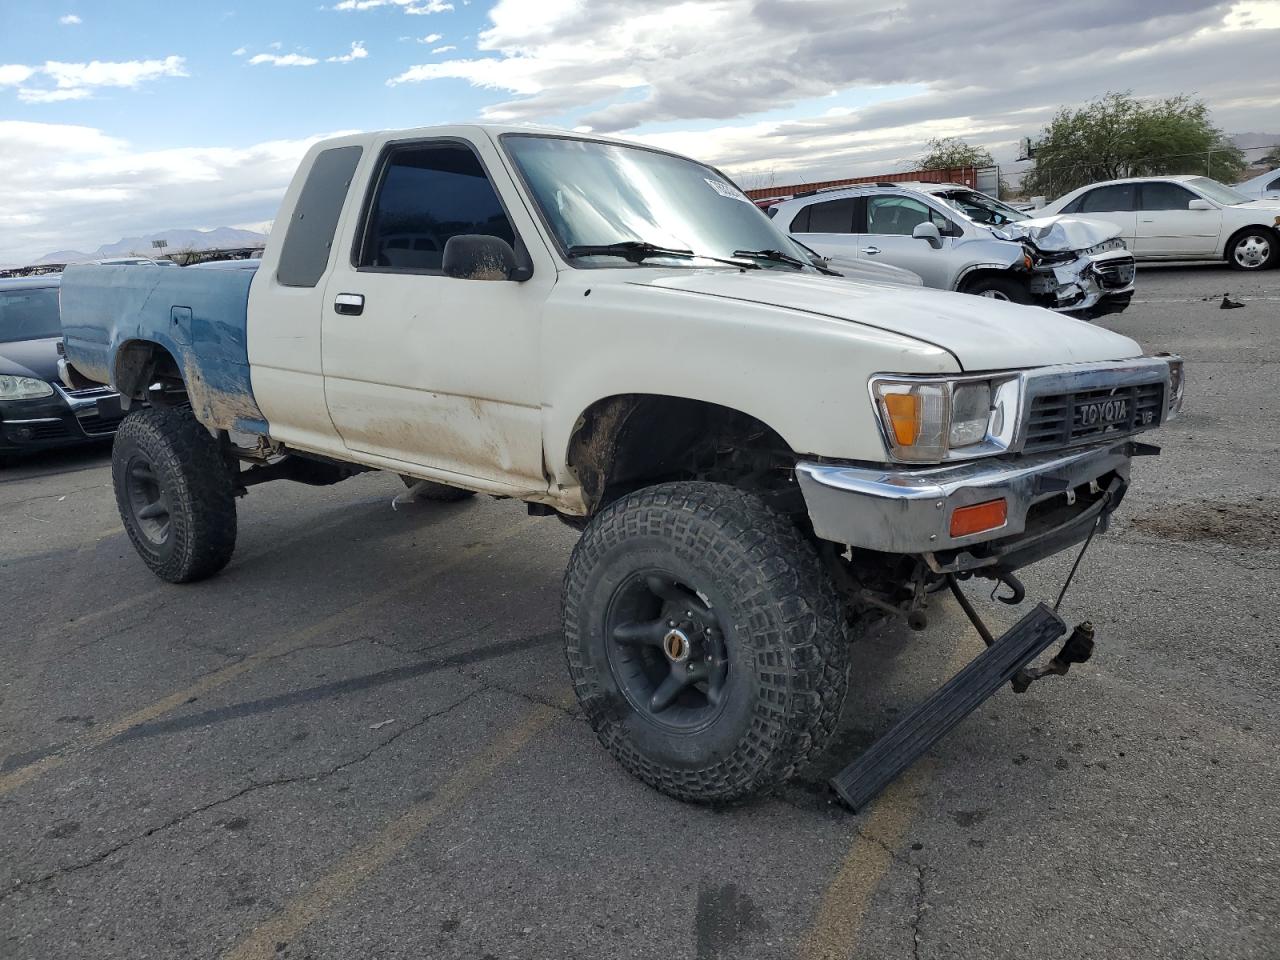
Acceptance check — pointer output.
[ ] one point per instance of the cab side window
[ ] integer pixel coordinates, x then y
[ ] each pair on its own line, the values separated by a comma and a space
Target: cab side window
426, 195
1116, 198
1165, 196
830, 216
900, 215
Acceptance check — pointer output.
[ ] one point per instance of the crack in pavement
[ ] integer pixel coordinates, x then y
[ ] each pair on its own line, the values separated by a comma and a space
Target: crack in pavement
314, 776
571, 711
921, 907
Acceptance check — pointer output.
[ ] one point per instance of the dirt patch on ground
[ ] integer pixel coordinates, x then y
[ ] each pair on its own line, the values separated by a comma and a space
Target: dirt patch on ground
1247, 523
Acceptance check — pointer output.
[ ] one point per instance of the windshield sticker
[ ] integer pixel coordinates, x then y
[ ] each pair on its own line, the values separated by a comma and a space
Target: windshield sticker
722, 188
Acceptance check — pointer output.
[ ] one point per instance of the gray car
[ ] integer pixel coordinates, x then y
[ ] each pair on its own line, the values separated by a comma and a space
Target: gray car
956, 238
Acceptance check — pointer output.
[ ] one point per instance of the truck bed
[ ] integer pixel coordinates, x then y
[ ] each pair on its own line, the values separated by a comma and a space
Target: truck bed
111, 313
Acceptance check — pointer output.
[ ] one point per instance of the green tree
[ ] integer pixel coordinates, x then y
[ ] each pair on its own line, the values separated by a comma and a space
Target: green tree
952, 153
1119, 135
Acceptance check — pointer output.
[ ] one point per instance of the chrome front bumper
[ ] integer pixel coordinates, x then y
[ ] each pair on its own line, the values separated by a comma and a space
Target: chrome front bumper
908, 510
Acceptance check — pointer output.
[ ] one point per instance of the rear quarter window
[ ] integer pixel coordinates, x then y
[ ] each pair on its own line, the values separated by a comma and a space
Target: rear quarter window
305, 253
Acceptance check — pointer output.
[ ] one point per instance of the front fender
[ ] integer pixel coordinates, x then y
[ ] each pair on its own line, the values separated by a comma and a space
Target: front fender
803, 375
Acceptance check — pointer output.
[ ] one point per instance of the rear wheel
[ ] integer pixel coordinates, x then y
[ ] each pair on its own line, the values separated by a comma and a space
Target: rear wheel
704, 640
1253, 248
430, 490
175, 493
999, 288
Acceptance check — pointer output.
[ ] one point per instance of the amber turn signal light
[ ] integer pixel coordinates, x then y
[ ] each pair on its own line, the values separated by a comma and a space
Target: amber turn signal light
904, 416
979, 517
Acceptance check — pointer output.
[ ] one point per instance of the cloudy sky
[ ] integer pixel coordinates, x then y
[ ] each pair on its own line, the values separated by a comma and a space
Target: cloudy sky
135, 116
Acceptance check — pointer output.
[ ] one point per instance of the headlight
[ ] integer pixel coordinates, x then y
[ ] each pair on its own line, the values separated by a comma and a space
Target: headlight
23, 388
928, 420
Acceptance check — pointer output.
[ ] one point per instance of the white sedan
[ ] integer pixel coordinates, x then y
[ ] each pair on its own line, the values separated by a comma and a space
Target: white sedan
1182, 218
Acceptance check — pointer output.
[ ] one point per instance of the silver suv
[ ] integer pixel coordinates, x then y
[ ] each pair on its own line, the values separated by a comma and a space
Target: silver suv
956, 238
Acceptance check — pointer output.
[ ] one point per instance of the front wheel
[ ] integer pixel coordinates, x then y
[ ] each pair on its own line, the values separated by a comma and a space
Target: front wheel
705, 642
999, 288
1253, 248
175, 493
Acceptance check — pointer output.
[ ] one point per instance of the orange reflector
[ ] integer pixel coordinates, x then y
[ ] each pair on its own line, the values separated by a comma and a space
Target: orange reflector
904, 417
979, 517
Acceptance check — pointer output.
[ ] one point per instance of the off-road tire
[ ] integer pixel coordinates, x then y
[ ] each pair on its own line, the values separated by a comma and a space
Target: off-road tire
786, 640
439, 492
1005, 288
1262, 235
196, 484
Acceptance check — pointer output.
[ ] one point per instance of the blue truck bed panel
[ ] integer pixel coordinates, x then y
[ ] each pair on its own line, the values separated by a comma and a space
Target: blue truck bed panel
199, 316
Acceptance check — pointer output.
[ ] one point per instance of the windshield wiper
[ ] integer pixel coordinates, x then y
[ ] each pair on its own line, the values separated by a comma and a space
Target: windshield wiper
774, 256
637, 251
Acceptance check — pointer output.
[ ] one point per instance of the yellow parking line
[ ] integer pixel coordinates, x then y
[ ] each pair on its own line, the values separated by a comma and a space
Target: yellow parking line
359, 864
838, 922
286, 644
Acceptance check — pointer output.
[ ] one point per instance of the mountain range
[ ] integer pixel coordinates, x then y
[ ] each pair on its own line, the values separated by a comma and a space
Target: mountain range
175, 239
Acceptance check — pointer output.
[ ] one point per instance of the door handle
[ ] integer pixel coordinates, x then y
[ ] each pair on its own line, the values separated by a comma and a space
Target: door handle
871, 250
349, 304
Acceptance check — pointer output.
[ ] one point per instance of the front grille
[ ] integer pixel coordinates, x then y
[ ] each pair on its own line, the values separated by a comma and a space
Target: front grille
94, 424
1058, 420
86, 393
1115, 273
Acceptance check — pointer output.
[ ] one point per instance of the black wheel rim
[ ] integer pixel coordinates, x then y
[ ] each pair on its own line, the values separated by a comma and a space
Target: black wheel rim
667, 652
147, 500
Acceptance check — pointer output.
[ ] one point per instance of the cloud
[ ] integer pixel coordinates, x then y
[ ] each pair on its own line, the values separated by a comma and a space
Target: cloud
431, 38
283, 60
64, 186
12, 74
357, 52
421, 7
666, 61
445, 49
79, 81
69, 20
239, 52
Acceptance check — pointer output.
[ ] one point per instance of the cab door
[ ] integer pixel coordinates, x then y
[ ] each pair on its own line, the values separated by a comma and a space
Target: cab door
425, 370
889, 219
1168, 228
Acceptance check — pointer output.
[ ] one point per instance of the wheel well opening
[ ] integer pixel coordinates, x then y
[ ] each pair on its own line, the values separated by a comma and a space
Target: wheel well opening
141, 364
623, 443
973, 278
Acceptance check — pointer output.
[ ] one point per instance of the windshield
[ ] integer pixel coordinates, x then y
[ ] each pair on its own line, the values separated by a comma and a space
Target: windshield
594, 194
1219, 192
981, 208
29, 314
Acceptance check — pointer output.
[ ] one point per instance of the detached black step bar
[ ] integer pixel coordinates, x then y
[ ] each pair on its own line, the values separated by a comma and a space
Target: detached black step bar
915, 733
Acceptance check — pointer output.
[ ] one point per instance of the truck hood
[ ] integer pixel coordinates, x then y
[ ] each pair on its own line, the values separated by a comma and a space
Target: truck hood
1057, 233
981, 334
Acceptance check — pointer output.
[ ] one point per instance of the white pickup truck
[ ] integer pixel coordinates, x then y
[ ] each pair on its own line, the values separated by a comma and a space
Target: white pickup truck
761, 456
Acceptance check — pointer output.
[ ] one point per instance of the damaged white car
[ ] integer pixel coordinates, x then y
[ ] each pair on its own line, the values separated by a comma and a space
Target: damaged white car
957, 238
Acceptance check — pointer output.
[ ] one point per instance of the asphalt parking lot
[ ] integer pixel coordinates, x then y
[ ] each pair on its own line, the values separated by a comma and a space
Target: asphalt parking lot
359, 740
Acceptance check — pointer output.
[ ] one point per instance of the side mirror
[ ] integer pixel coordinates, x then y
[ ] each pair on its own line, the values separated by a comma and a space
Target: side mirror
928, 231
1199, 204
474, 256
